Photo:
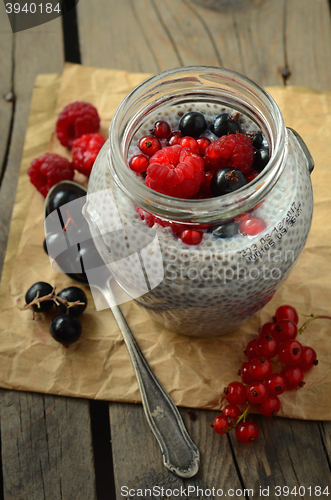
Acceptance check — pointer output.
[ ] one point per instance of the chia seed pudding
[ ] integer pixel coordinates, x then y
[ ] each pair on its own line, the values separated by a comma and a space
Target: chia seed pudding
210, 288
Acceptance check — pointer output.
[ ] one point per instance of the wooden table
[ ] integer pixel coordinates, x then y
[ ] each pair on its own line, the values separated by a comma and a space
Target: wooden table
59, 448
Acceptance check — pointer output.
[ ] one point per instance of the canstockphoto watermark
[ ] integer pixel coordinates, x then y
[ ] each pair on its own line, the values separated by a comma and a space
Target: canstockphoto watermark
131, 253
223, 267
26, 14
191, 491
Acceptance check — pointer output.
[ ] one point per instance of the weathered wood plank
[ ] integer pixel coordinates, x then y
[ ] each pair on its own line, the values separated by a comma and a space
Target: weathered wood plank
287, 453
112, 36
46, 441
46, 447
6, 108
308, 43
137, 456
38, 50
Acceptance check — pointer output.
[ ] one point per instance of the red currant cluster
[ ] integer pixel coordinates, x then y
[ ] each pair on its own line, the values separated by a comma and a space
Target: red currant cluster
262, 387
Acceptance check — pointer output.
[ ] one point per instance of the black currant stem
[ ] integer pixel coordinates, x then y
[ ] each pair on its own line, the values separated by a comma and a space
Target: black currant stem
311, 318
51, 296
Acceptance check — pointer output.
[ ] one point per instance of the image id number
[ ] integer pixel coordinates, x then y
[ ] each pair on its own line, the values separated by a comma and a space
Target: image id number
311, 491
32, 8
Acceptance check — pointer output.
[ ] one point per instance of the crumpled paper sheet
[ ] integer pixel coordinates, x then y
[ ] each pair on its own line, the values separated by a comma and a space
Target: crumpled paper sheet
193, 371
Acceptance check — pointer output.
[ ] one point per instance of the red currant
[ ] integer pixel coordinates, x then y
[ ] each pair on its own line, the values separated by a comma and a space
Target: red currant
247, 432
260, 368
250, 176
235, 393
266, 329
294, 376
231, 411
189, 142
250, 350
284, 330
308, 359
243, 372
139, 163
252, 226
270, 407
149, 145
221, 424
203, 144
191, 236
267, 346
290, 352
257, 392
276, 384
162, 129
287, 312
175, 138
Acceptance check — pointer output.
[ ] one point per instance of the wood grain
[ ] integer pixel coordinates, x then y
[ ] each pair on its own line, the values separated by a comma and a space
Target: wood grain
137, 456
46, 447
308, 43
38, 50
46, 441
6, 108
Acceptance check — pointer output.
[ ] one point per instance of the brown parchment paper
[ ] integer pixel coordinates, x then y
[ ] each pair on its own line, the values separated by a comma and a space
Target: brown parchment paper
193, 371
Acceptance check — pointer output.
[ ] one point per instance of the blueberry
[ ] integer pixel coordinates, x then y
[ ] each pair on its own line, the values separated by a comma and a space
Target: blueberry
72, 294
43, 289
65, 329
192, 124
261, 158
225, 230
227, 180
257, 140
223, 125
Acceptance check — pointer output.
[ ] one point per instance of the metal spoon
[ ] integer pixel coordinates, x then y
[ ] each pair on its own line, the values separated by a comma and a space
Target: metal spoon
179, 453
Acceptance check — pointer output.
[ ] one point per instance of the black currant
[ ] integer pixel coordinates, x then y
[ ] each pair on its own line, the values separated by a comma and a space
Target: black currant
192, 124
227, 180
65, 329
225, 230
40, 289
72, 294
261, 158
223, 125
61, 198
257, 140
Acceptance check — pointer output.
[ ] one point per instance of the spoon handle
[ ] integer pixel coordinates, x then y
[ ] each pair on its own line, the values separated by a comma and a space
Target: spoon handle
179, 453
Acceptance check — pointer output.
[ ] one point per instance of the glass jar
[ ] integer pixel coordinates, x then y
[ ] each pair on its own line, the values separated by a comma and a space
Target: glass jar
210, 288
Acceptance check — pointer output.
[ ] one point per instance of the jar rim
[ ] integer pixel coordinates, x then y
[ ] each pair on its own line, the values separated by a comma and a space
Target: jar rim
195, 81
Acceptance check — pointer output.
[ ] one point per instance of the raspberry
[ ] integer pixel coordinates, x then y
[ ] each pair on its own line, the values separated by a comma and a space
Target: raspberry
175, 172
49, 169
85, 151
234, 150
75, 120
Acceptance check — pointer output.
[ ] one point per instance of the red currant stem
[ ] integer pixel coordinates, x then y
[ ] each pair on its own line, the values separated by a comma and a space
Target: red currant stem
243, 416
311, 318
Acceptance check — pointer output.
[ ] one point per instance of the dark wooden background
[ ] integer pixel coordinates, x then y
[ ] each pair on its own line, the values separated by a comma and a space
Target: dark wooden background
59, 448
